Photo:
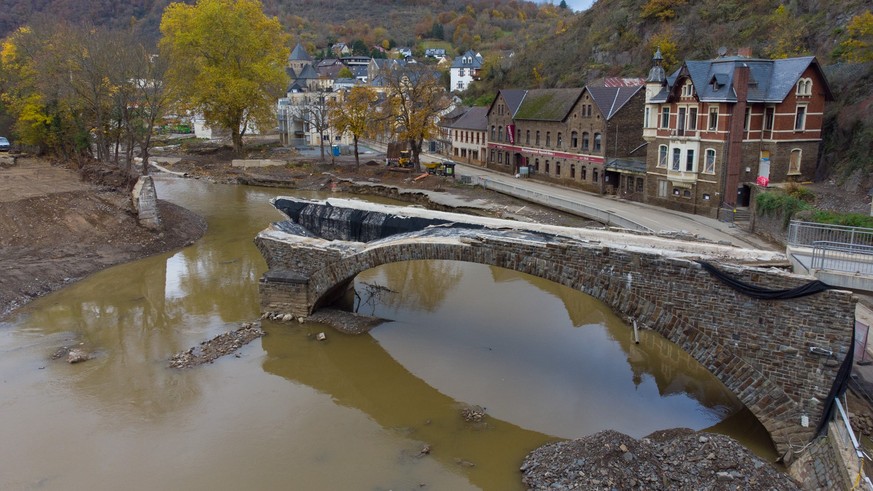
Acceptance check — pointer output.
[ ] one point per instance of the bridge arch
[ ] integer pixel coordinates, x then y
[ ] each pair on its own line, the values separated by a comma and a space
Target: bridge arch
619, 291
759, 349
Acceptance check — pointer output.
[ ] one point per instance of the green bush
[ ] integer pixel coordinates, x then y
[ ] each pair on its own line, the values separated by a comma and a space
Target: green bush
847, 219
789, 205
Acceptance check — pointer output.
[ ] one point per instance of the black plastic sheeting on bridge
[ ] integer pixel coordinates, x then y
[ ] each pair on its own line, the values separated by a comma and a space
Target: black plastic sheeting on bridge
337, 223
841, 381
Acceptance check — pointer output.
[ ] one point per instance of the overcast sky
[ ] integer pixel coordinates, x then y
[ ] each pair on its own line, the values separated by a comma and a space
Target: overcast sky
573, 4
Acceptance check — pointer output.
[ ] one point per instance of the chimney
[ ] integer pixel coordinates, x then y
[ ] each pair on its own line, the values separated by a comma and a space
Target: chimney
736, 133
745, 52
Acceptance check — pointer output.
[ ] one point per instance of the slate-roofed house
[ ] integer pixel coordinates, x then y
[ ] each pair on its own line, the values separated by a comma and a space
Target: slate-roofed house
569, 134
468, 136
716, 126
464, 70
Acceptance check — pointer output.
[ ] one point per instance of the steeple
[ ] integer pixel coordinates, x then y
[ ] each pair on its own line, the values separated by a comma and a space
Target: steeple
657, 74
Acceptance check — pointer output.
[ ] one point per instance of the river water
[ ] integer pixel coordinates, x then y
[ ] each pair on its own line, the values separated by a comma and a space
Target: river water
352, 412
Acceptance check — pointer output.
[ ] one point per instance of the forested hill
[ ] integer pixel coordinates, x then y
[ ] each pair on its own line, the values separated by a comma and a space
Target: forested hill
553, 47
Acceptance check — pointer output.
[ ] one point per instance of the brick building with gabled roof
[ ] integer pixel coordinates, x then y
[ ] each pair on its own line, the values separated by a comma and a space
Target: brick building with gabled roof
716, 127
569, 135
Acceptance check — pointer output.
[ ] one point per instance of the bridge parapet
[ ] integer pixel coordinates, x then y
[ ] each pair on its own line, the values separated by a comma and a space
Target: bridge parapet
760, 349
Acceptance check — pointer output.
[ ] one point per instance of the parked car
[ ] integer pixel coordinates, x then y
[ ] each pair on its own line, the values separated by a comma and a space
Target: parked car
4, 144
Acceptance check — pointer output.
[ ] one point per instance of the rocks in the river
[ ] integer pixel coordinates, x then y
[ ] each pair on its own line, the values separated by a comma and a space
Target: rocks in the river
78, 355
473, 413
221, 345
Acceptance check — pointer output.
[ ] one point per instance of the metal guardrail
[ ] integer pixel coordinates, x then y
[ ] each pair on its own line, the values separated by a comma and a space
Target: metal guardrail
839, 256
806, 233
846, 437
564, 204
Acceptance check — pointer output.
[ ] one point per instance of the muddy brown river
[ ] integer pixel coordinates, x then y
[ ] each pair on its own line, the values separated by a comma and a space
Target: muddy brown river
351, 412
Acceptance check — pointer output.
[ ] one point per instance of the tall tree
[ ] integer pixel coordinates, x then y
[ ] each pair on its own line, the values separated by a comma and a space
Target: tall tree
356, 113
227, 61
415, 98
313, 109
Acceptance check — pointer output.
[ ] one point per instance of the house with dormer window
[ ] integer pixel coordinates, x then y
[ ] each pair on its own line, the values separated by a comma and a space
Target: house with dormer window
465, 70
715, 128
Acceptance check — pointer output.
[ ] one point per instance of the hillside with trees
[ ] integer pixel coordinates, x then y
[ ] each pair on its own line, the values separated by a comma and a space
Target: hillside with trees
554, 47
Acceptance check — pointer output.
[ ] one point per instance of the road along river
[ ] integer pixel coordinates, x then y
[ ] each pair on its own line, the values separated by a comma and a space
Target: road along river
377, 411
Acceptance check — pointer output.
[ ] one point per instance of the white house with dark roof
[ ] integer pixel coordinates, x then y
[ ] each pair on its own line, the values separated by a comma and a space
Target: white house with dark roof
468, 135
465, 70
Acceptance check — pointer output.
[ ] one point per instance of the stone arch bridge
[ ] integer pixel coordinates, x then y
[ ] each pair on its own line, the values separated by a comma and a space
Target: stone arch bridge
780, 357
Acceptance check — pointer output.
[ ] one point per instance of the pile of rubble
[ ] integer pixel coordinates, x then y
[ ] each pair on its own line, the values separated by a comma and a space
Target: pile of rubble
220, 345
673, 459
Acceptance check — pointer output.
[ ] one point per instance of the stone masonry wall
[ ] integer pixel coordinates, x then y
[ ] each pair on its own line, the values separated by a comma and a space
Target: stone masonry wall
759, 349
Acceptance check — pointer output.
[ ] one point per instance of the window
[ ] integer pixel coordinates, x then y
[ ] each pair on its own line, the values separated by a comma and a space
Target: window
595, 175
662, 188
804, 87
527, 137
572, 171
538, 138
597, 142
537, 164
500, 133
662, 156
713, 118
493, 134
665, 117
692, 118
677, 156
492, 156
747, 119
800, 118
640, 184
461, 72
574, 139
689, 161
560, 140
629, 183
680, 121
709, 164
460, 84
687, 89
557, 168
499, 157
548, 138
518, 135
583, 174
794, 162
646, 117
547, 166
585, 141
769, 115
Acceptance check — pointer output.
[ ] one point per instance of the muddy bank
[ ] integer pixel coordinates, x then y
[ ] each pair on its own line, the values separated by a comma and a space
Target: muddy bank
50, 239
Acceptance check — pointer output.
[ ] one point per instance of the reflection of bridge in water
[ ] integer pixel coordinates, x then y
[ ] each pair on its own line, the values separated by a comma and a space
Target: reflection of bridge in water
762, 350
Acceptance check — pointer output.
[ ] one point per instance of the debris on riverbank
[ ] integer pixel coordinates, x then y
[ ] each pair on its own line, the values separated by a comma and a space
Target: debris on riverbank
345, 322
672, 459
223, 344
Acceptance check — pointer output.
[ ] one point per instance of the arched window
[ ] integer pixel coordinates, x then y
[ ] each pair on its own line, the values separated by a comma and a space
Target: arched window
804, 87
662, 156
574, 139
527, 137
500, 133
538, 138
585, 141
709, 164
547, 166
794, 161
595, 176
597, 140
560, 141
557, 168
493, 134
572, 171
548, 138
583, 174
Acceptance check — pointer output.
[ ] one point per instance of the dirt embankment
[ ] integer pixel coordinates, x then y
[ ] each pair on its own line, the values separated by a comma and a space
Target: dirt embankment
56, 229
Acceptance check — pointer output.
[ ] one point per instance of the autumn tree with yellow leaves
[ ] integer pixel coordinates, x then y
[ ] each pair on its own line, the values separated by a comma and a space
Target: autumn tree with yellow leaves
227, 60
357, 114
414, 99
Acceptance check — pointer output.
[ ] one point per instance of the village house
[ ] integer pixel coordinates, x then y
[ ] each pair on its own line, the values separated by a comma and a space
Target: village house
717, 127
465, 70
571, 135
468, 136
